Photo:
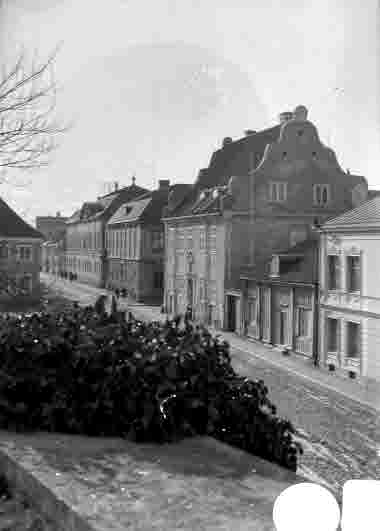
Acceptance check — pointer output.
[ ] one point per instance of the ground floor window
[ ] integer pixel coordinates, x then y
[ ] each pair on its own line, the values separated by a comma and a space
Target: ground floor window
332, 335
303, 322
352, 340
252, 311
158, 280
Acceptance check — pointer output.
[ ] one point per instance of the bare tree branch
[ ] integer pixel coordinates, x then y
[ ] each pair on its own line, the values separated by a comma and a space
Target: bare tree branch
28, 127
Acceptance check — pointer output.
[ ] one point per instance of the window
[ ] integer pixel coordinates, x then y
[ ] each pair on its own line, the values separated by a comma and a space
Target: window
277, 191
352, 340
24, 253
4, 251
26, 283
353, 273
332, 335
252, 311
303, 322
158, 280
157, 240
213, 238
189, 239
202, 238
321, 194
333, 272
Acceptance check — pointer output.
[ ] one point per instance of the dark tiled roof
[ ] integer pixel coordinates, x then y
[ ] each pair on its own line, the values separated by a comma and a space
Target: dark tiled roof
302, 269
92, 210
149, 208
368, 213
13, 226
233, 159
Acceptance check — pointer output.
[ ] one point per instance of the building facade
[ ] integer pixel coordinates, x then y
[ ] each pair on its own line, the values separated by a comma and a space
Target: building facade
282, 304
298, 185
53, 256
135, 244
52, 227
86, 254
260, 194
350, 293
20, 255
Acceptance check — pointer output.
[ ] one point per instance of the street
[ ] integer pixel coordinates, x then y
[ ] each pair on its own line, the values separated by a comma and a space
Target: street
340, 437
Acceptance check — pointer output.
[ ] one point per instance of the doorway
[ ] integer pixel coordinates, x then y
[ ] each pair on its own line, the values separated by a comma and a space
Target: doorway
231, 313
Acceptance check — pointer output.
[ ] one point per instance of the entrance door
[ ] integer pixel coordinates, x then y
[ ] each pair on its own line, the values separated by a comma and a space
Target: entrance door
231, 313
283, 315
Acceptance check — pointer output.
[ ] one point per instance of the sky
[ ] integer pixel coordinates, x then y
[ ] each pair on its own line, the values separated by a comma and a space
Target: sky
153, 87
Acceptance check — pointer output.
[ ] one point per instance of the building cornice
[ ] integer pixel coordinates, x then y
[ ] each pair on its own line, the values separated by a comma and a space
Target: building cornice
197, 216
20, 238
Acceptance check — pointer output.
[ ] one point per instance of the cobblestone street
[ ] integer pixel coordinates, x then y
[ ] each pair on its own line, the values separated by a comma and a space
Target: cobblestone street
340, 436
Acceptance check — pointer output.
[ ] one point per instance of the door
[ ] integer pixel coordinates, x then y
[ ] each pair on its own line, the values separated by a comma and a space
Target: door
231, 313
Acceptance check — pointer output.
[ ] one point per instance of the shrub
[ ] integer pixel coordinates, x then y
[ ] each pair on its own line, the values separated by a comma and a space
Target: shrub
80, 372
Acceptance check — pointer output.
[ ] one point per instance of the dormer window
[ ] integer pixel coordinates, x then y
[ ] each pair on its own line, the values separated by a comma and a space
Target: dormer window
300, 132
321, 194
275, 266
277, 191
202, 195
215, 193
128, 210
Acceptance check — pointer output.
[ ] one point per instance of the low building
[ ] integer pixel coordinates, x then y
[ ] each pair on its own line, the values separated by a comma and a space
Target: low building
282, 302
350, 293
20, 254
135, 243
85, 254
51, 226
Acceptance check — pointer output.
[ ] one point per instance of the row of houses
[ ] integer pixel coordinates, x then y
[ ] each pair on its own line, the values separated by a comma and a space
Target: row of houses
273, 241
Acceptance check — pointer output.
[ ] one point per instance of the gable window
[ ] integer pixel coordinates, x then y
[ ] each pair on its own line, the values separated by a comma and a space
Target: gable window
333, 272
352, 340
332, 335
353, 273
321, 194
278, 191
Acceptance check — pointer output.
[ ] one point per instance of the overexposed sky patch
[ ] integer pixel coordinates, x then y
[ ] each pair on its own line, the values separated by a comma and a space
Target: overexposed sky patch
154, 86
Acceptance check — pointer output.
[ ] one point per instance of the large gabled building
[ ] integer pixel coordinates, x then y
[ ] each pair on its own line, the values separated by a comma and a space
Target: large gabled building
85, 254
135, 243
260, 194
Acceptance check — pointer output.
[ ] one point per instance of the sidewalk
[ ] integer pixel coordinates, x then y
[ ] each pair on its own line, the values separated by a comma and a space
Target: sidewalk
367, 394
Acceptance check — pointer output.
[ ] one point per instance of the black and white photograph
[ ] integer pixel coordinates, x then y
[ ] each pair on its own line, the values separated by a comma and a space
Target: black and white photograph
189, 265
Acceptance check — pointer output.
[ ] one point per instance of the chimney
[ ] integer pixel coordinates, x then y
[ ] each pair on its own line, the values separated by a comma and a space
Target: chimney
227, 140
133, 181
58, 214
249, 132
116, 185
285, 117
163, 184
300, 113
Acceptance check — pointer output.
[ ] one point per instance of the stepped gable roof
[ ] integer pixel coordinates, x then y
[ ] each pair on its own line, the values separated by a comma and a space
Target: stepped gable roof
149, 207
233, 159
301, 268
366, 214
13, 226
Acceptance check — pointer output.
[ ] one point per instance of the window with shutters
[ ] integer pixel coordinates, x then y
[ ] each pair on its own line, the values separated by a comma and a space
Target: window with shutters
333, 272
353, 273
321, 194
278, 191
